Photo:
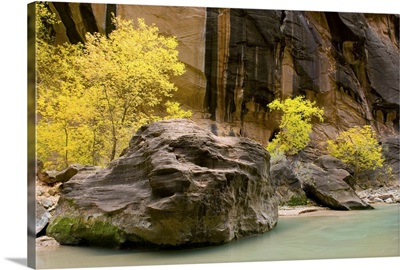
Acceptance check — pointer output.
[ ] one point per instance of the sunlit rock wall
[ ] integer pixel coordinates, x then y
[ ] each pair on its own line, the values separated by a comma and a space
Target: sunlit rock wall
239, 60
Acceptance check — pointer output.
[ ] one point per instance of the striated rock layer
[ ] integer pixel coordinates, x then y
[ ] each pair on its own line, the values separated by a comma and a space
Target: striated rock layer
175, 185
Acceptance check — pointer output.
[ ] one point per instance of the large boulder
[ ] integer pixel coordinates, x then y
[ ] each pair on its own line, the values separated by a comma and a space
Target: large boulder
288, 185
175, 185
47, 189
328, 186
334, 166
325, 181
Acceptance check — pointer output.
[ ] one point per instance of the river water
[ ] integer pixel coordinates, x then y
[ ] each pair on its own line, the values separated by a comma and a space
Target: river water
321, 235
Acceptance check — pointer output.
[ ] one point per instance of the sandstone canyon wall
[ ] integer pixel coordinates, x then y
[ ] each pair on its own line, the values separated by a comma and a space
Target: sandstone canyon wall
239, 60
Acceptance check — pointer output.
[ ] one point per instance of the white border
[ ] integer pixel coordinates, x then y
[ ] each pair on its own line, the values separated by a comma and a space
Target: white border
13, 128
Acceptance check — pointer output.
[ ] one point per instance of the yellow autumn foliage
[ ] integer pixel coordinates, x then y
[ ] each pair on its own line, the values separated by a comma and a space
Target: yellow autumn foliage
357, 147
92, 97
295, 125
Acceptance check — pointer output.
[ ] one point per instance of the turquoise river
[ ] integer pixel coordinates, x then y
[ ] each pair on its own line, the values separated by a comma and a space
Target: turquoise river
318, 235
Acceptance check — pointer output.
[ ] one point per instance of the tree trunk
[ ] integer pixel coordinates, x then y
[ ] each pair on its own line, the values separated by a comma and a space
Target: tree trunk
94, 148
114, 147
114, 131
66, 147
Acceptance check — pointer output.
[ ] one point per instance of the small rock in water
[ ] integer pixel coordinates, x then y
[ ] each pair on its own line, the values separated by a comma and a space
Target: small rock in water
46, 242
385, 196
389, 200
47, 203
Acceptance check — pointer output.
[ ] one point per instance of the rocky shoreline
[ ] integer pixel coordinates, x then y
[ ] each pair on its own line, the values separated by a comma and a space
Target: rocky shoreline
296, 211
291, 211
378, 196
389, 194
383, 195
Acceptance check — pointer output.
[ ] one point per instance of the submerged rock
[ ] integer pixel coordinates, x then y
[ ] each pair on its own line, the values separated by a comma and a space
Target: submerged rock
175, 185
45, 242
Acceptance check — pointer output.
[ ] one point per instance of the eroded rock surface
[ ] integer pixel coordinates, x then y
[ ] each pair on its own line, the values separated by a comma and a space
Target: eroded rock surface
288, 185
325, 181
47, 189
176, 185
391, 152
329, 188
42, 218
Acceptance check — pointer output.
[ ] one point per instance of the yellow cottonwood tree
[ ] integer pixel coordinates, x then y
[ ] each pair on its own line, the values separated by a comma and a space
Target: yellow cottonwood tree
295, 126
357, 147
130, 70
63, 105
92, 97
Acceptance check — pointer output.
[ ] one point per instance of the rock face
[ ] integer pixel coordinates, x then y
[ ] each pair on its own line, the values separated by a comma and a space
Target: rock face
48, 190
391, 146
176, 185
239, 60
42, 218
329, 188
324, 181
289, 188
47, 196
